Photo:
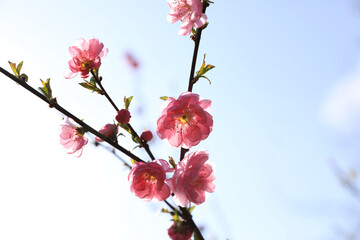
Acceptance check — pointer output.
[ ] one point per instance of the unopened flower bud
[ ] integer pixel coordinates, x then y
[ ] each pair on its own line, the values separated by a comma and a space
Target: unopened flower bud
146, 136
109, 131
123, 116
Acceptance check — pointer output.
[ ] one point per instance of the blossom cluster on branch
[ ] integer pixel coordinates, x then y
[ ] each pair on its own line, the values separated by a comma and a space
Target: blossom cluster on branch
184, 122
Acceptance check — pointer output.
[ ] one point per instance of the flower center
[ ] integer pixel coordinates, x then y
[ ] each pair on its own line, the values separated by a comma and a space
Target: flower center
85, 65
150, 178
182, 8
184, 119
80, 131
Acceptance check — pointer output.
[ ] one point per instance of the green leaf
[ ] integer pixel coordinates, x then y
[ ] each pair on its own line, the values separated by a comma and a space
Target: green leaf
125, 127
191, 209
164, 210
18, 69
193, 31
136, 139
13, 68
137, 146
203, 69
206, 24
206, 79
92, 81
164, 98
176, 216
91, 87
127, 102
46, 89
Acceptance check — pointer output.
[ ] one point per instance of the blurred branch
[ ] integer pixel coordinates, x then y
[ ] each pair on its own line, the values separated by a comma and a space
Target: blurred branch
346, 179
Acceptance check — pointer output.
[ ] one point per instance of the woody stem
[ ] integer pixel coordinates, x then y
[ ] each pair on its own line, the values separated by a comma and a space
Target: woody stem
133, 132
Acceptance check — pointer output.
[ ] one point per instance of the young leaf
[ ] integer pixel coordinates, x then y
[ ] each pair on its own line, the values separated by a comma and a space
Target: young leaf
92, 81
164, 210
136, 139
18, 69
91, 87
13, 68
203, 69
46, 89
125, 127
191, 209
164, 98
127, 102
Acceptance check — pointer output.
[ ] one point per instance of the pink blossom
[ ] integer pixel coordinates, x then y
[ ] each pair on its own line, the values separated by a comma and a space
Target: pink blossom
148, 180
187, 11
85, 55
109, 131
72, 138
146, 136
193, 178
185, 121
123, 116
180, 231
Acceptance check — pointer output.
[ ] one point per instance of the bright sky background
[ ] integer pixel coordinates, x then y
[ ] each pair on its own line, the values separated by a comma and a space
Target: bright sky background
286, 105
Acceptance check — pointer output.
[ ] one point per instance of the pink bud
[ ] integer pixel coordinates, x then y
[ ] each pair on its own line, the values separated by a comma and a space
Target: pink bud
109, 130
123, 116
180, 231
146, 136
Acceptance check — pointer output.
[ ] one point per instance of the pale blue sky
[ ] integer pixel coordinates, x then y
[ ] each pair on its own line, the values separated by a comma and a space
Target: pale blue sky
276, 105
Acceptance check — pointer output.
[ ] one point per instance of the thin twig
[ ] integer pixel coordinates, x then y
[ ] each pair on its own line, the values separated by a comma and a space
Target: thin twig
188, 217
55, 105
126, 164
185, 212
196, 50
133, 132
112, 150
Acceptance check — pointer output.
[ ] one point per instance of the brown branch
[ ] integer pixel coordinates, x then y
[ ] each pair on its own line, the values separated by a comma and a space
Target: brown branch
133, 132
55, 105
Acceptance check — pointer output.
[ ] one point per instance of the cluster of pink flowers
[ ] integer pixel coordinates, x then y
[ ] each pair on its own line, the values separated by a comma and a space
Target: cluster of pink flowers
85, 55
193, 177
185, 121
187, 11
